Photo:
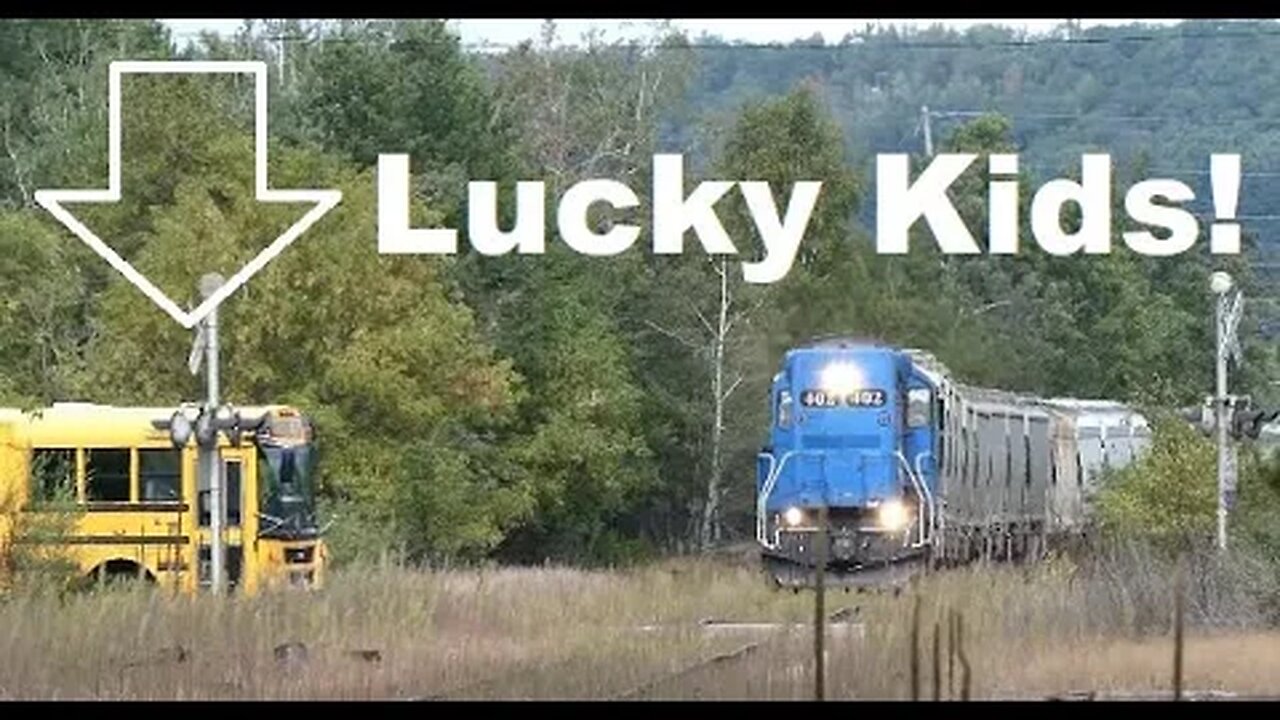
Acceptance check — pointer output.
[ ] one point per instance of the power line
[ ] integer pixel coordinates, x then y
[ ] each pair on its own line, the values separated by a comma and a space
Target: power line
1047, 116
1158, 172
858, 41
1244, 173
906, 44
800, 45
1014, 115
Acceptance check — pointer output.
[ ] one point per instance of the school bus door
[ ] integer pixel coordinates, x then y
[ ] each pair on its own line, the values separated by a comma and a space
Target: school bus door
238, 481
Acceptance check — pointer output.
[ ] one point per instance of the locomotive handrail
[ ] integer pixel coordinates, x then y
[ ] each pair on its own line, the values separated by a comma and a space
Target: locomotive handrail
775, 472
771, 479
922, 491
915, 485
934, 516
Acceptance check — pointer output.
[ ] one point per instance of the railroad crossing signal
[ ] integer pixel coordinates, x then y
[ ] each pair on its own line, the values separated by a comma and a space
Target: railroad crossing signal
1244, 421
205, 427
214, 417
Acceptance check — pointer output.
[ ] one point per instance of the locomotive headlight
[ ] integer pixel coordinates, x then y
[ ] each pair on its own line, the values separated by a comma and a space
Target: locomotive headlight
793, 516
893, 515
841, 378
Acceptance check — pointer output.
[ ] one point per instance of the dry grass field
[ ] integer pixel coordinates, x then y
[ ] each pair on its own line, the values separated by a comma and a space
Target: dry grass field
548, 633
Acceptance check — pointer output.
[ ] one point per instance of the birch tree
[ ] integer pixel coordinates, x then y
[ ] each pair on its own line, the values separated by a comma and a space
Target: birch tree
715, 340
732, 330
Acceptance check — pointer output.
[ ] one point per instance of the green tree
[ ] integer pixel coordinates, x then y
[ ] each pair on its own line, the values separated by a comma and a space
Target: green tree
365, 88
53, 88
584, 446
1169, 495
566, 319
407, 396
42, 316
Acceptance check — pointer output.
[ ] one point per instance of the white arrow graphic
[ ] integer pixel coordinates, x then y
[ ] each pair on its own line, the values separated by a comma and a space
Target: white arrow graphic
52, 200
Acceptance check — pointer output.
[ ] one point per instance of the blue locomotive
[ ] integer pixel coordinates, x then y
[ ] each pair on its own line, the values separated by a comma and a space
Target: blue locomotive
911, 468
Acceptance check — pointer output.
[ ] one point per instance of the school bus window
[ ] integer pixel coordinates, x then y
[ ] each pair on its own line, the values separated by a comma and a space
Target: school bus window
231, 477
231, 485
53, 475
160, 474
106, 473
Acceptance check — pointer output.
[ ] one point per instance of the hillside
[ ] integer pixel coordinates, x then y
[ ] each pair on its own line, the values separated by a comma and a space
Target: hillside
1159, 97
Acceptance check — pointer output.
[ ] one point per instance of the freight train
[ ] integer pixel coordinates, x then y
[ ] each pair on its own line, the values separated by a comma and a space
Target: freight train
906, 468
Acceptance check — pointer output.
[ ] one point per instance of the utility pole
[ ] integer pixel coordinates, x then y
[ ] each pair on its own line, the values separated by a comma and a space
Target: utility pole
1221, 404
925, 116
1227, 318
280, 57
820, 606
209, 448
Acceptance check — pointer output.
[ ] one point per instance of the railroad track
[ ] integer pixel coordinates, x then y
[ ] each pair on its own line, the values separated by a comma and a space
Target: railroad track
837, 623
470, 688
1153, 696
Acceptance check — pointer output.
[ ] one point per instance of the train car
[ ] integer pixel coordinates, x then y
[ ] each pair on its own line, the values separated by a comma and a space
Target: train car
911, 468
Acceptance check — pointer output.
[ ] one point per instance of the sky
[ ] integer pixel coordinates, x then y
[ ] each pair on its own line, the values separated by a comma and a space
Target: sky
475, 32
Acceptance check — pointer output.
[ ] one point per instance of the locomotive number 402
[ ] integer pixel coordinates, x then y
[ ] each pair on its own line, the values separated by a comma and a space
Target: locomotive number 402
857, 398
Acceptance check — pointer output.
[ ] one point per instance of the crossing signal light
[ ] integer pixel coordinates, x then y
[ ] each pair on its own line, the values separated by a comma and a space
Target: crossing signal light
205, 426
1249, 423
1244, 421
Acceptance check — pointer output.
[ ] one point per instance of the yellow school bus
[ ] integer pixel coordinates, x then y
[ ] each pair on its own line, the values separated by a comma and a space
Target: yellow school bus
133, 505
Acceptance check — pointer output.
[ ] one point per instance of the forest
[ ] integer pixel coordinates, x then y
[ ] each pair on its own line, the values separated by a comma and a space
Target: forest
586, 409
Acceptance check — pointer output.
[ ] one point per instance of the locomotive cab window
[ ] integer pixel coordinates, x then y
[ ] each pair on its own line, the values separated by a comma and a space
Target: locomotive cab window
919, 407
784, 409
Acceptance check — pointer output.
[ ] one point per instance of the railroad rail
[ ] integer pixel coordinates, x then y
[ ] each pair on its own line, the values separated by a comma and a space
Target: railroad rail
835, 619
1157, 696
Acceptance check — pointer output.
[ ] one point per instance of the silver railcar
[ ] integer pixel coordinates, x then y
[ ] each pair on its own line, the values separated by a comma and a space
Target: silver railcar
1017, 472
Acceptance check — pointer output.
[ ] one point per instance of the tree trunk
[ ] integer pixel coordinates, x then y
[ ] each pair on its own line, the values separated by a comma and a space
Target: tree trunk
711, 510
